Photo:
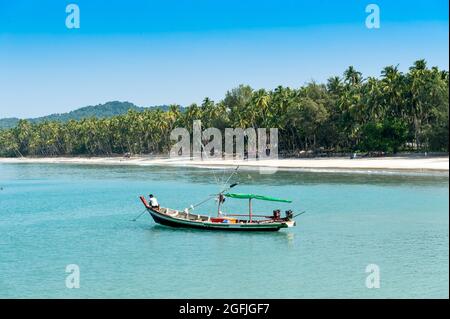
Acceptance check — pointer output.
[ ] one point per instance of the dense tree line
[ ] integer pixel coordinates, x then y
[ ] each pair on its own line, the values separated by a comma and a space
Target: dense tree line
395, 112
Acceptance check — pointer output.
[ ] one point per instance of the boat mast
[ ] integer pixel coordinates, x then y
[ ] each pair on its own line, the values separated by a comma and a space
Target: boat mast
250, 209
220, 200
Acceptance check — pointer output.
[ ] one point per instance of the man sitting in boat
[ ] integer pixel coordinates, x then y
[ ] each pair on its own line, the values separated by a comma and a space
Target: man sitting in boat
153, 202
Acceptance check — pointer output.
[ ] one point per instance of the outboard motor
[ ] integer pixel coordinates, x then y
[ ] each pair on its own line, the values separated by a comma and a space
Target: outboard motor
276, 214
289, 214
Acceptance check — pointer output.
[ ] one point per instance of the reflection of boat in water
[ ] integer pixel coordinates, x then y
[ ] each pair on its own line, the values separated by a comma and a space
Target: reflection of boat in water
175, 218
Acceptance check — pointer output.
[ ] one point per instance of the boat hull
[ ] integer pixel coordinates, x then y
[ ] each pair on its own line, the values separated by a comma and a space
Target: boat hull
166, 220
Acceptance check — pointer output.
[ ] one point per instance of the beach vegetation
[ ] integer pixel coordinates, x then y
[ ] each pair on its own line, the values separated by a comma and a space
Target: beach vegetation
397, 111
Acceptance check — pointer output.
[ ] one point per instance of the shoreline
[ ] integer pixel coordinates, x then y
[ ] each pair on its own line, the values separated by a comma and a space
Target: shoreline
414, 164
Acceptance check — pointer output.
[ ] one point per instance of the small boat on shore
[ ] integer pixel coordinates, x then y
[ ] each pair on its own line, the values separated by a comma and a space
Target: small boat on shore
235, 222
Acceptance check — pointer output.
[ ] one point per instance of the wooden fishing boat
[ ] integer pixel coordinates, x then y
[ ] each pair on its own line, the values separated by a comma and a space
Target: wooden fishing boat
235, 222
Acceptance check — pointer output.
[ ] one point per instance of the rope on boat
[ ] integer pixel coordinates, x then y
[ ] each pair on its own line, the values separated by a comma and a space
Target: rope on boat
202, 202
136, 218
228, 179
202, 152
214, 195
299, 214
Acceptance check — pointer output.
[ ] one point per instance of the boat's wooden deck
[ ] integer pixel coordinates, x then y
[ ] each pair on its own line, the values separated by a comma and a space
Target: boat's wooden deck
183, 215
204, 218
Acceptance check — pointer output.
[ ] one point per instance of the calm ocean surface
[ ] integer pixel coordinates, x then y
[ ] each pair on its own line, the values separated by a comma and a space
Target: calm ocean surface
55, 215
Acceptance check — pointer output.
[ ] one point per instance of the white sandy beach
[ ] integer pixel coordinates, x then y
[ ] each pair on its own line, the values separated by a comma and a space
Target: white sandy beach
386, 163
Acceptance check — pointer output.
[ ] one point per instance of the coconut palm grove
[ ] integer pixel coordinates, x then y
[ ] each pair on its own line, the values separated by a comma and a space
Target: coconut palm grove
395, 112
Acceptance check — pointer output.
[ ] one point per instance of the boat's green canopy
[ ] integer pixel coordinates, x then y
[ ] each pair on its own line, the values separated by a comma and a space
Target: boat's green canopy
260, 197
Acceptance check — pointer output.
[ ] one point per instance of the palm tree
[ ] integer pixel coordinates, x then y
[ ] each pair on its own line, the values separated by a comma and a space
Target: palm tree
417, 82
334, 85
352, 76
338, 115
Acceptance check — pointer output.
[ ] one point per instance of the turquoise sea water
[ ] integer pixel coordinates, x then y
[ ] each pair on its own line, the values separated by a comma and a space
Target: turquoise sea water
55, 215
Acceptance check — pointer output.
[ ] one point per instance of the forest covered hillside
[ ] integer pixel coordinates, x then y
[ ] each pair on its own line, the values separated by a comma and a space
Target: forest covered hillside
99, 111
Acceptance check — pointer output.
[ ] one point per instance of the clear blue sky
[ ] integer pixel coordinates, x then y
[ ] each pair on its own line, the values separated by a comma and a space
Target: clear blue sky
166, 51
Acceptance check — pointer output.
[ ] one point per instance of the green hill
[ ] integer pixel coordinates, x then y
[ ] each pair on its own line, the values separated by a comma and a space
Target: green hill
8, 122
99, 111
